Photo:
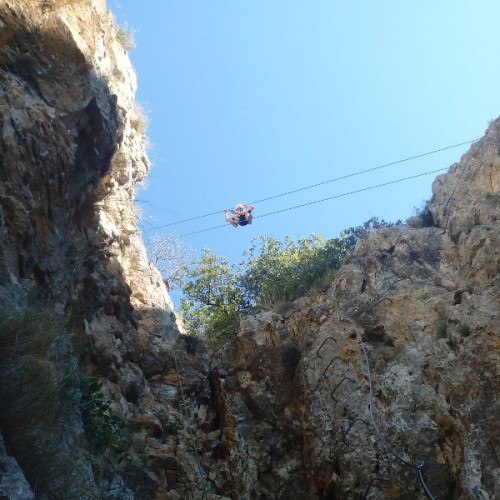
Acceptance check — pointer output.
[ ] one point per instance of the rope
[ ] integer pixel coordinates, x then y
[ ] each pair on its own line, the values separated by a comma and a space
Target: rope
186, 416
362, 172
318, 184
446, 214
420, 464
317, 201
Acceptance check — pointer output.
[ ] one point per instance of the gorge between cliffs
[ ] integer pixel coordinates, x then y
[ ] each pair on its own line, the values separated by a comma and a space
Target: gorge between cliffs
383, 384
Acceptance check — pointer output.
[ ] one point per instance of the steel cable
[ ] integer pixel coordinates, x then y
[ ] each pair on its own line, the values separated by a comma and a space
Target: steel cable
319, 201
347, 176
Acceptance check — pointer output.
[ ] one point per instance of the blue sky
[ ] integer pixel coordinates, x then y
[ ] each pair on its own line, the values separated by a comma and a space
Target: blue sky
250, 99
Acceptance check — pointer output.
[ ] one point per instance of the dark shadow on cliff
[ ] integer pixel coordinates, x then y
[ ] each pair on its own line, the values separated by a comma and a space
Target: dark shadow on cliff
59, 129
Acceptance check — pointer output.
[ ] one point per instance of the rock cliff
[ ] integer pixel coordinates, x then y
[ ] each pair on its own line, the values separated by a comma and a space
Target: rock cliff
382, 385
72, 149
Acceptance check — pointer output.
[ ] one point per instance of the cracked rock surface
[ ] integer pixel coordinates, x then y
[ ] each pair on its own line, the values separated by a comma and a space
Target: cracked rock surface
296, 407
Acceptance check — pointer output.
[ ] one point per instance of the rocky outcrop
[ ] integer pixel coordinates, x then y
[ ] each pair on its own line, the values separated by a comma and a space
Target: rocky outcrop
72, 148
383, 385
13, 484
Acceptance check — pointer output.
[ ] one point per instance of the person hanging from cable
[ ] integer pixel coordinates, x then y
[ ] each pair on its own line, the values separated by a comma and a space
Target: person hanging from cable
241, 215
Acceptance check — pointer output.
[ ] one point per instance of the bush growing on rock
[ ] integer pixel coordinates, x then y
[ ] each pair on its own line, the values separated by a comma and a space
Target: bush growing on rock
216, 294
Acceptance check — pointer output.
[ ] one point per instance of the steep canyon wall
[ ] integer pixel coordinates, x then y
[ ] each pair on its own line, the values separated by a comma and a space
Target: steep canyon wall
385, 384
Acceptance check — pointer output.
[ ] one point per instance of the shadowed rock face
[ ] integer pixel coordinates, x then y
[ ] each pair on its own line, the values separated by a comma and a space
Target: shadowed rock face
282, 412
13, 484
72, 147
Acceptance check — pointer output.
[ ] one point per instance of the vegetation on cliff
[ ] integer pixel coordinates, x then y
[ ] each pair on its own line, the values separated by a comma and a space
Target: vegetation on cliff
216, 293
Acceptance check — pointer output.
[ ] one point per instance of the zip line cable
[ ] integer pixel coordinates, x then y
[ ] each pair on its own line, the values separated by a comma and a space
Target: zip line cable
322, 200
347, 176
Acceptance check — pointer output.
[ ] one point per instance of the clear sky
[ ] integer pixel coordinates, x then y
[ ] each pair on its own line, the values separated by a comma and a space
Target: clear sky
250, 99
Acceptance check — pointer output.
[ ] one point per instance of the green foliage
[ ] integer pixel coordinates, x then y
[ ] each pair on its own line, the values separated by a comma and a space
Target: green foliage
488, 263
389, 341
423, 216
353, 234
170, 424
216, 294
441, 330
134, 391
213, 300
193, 344
463, 330
283, 270
28, 331
467, 227
103, 427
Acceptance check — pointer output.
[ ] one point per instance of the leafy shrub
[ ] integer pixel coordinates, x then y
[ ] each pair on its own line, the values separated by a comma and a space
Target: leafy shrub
103, 427
488, 264
39, 403
422, 216
28, 331
134, 391
170, 425
194, 344
467, 227
283, 270
389, 341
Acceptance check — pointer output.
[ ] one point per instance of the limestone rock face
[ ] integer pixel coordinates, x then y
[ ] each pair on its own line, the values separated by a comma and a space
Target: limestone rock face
72, 149
300, 408
384, 385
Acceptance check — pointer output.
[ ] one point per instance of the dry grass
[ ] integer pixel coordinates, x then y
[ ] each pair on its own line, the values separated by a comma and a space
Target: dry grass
126, 37
139, 119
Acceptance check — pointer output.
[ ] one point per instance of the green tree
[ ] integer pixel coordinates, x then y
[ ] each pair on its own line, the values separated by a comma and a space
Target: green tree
353, 234
213, 302
216, 295
283, 270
